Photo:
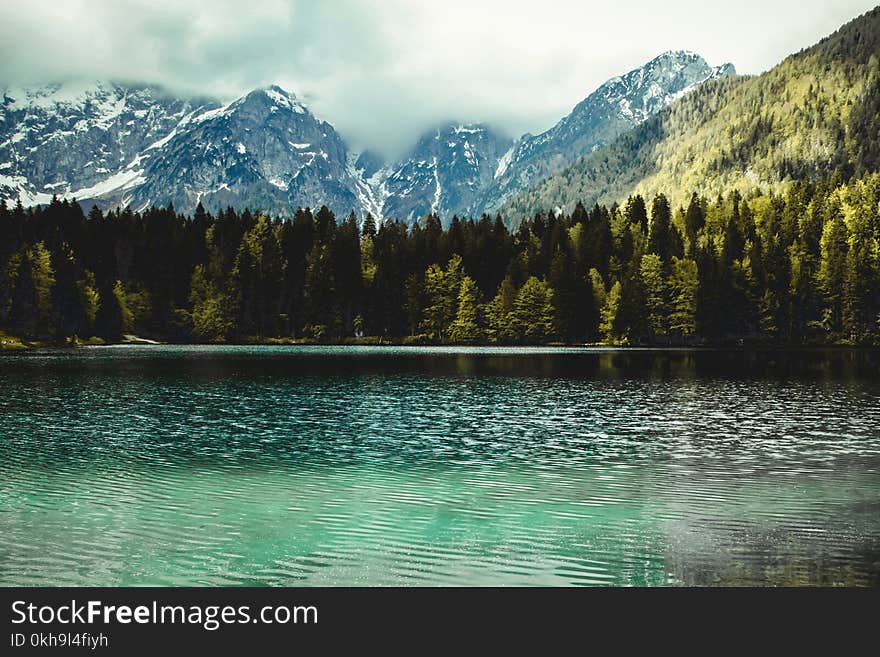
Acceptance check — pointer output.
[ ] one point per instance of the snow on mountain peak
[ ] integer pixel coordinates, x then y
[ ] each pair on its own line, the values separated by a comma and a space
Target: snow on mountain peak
619, 104
676, 55
469, 128
115, 144
283, 98
49, 95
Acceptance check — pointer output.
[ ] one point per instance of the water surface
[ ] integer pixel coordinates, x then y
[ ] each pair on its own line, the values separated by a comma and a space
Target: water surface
438, 466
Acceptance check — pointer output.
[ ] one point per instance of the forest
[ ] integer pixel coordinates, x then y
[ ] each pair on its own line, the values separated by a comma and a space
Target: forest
799, 267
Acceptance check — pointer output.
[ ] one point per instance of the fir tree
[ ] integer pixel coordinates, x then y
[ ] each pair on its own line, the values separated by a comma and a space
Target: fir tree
656, 306
499, 324
684, 283
533, 315
610, 311
466, 327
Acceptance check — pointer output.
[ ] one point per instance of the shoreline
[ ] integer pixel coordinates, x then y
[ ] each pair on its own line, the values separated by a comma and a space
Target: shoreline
10, 344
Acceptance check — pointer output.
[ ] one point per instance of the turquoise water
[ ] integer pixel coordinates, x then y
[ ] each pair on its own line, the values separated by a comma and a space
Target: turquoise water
437, 466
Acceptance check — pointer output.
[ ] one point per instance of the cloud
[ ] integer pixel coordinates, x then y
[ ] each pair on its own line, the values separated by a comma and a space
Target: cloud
383, 71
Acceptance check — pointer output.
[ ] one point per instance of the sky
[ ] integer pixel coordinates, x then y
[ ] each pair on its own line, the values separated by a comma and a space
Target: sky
384, 71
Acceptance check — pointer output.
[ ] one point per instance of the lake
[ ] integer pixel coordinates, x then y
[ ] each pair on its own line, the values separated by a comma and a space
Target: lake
182, 465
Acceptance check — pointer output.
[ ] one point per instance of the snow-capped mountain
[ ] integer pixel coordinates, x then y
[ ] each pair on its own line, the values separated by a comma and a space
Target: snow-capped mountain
119, 145
116, 144
445, 173
84, 140
264, 150
617, 106
469, 170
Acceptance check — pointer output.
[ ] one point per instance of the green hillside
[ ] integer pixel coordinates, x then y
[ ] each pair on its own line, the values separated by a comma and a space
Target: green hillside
815, 113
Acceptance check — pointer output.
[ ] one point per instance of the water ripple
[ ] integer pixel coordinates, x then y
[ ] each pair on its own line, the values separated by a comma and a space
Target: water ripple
354, 466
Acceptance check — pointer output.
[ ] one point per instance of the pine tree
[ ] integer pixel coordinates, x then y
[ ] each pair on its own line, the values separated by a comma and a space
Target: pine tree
213, 311
660, 238
636, 213
466, 327
533, 314
610, 311
414, 301
499, 324
694, 220
87, 292
108, 319
69, 317
125, 314
30, 314
441, 289
832, 267
861, 284
656, 305
347, 271
597, 289
684, 282
320, 309
368, 229
23, 303
598, 240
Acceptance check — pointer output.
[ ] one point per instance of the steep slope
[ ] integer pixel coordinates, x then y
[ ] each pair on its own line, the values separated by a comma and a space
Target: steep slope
264, 150
445, 173
468, 170
618, 105
75, 139
114, 144
814, 113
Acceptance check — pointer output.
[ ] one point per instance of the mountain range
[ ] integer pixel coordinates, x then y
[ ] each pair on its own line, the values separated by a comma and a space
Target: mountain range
815, 114
675, 125
114, 144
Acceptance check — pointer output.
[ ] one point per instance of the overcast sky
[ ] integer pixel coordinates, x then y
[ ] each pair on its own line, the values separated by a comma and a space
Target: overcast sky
382, 71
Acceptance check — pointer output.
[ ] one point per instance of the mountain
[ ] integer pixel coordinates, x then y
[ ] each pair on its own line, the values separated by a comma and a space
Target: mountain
815, 113
81, 139
115, 144
478, 170
118, 145
445, 173
617, 106
264, 150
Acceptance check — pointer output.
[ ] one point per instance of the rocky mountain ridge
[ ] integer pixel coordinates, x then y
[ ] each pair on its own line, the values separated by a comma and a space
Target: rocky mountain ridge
116, 144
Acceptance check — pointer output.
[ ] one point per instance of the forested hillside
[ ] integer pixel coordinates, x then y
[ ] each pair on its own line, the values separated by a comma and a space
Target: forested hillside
799, 268
815, 113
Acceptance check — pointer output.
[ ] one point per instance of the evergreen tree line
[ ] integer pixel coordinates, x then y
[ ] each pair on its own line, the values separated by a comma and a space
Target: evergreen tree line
798, 268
